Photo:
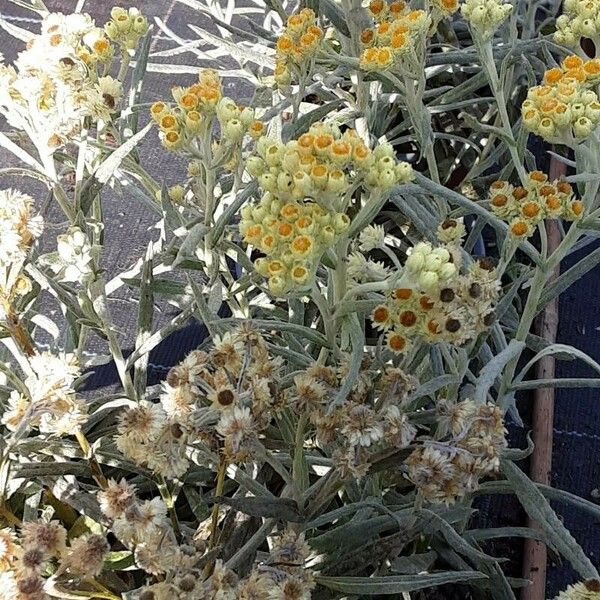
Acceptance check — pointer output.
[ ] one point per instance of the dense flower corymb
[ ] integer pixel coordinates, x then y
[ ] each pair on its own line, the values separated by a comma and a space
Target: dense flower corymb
397, 37
228, 393
565, 109
435, 302
523, 207
580, 19
292, 236
297, 46
54, 83
445, 470
485, 16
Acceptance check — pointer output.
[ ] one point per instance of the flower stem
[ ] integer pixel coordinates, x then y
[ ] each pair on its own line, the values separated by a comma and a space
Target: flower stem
20, 335
88, 452
215, 511
487, 57
8, 516
169, 500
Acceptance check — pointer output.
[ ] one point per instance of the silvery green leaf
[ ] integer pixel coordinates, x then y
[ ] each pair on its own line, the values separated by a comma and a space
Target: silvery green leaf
306, 333
162, 287
396, 584
432, 386
17, 32
555, 349
357, 342
191, 243
216, 296
368, 212
334, 13
261, 55
494, 533
34, 5
144, 324
565, 382
46, 324
9, 145
118, 561
62, 294
494, 368
285, 509
217, 231
138, 79
568, 278
411, 565
301, 125
108, 167
539, 510
158, 336
197, 503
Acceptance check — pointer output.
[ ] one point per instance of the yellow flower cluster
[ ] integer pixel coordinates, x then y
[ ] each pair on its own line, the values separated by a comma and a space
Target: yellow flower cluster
324, 163
436, 303
288, 225
564, 108
445, 8
297, 46
126, 27
485, 16
580, 19
181, 123
524, 207
396, 33
293, 235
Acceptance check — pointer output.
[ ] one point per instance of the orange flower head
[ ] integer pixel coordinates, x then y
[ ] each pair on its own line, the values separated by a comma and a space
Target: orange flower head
376, 6
408, 318
572, 62
381, 314
530, 210
285, 44
168, 122
553, 203
499, 201
324, 141
519, 193
577, 207
384, 57
367, 36
397, 8
564, 188
553, 76
285, 230
290, 211
538, 177
101, 46
396, 342
308, 40
398, 41
302, 245
519, 229
547, 190
403, 294
425, 303
306, 141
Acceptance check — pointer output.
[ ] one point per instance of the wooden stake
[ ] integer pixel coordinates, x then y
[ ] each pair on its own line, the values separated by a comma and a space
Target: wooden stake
535, 553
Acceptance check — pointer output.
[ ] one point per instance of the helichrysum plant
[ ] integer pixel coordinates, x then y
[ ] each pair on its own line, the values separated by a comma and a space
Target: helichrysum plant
365, 350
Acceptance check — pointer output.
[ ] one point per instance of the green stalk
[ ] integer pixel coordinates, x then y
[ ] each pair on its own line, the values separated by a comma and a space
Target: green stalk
484, 48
